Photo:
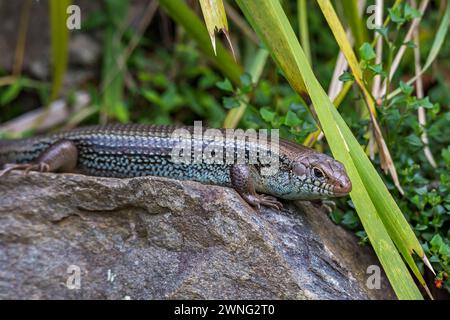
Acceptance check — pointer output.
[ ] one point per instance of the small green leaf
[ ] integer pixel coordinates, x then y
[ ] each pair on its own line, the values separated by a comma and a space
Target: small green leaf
410, 44
151, 96
424, 102
246, 83
346, 76
384, 31
396, 15
225, 85
11, 93
377, 69
267, 114
410, 13
420, 227
436, 242
230, 102
446, 154
246, 79
406, 88
366, 52
291, 119
414, 140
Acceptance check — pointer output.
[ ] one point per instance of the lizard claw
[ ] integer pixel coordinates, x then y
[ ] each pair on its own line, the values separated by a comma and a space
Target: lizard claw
328, 205
27, 167
40, 167
265, 200
270, 201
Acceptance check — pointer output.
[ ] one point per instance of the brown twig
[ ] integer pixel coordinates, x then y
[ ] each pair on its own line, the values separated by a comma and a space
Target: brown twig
21, 39
420, 94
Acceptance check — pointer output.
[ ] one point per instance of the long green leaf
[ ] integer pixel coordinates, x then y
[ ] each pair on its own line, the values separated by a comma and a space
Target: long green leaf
281, 49
395, 222
356, 23
271, 24
302, 11
60, 40
113, 69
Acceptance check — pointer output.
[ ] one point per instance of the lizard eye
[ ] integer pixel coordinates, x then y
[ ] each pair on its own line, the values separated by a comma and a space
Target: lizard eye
318, 173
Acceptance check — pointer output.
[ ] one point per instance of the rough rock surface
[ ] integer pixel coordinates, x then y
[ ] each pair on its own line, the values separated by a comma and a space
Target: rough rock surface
156, 238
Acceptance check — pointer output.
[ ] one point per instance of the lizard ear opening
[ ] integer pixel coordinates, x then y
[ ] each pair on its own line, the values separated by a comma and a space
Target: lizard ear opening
299, 169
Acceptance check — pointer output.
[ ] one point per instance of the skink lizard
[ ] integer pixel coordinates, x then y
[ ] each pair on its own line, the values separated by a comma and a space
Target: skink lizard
133, 150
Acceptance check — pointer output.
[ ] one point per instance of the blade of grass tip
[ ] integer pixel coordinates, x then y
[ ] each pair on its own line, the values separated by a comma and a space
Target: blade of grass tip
216, 20
272, 14
438, 41
337, 29
256, 68
195, 28
421, 110
302, 12
401, 51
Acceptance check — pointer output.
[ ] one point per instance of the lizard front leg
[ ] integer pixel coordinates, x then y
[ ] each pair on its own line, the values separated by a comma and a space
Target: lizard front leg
242, 182
61, 156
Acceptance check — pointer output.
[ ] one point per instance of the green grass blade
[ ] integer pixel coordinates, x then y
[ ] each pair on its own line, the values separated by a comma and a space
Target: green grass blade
266, 16
113, 69
396, 224
356, 23
60, 41
302, 11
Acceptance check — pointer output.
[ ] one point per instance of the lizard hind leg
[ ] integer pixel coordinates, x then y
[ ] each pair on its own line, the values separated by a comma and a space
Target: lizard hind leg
61, 156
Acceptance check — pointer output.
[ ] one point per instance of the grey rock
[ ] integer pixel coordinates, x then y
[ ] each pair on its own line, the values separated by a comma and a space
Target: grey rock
156, 238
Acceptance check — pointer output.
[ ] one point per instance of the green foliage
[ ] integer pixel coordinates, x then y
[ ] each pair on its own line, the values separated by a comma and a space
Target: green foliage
60, 42
426, 203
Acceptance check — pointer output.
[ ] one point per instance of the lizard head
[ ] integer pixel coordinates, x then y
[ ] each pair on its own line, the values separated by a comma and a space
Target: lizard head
320, 176
307, 175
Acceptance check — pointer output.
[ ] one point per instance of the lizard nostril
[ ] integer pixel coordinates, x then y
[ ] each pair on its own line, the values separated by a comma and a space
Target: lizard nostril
344, 186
